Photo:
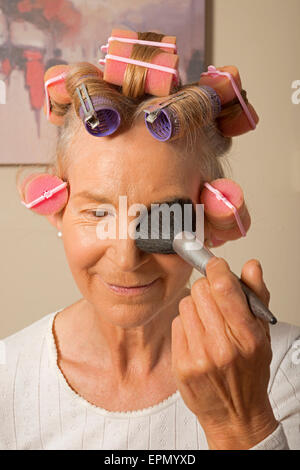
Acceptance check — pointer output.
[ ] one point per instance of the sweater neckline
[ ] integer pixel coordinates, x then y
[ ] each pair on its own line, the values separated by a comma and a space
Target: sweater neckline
52, 349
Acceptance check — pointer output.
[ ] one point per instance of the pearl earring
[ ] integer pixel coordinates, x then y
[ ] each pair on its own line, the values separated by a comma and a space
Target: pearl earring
59, 234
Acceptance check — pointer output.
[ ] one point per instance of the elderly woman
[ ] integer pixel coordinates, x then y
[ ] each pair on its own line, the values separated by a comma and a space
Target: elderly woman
152, 364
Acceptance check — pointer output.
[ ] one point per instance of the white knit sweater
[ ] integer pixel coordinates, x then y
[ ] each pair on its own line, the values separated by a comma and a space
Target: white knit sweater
38, 409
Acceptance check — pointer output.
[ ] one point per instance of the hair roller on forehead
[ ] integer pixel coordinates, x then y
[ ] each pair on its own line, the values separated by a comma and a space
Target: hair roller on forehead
142, 63
165, 120
96, 103
226, 103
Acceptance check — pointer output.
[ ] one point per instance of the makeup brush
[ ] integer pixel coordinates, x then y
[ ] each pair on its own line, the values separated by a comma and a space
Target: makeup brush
164, 230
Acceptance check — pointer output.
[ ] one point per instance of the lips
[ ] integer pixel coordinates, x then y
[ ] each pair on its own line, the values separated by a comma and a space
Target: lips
130, 287
136, 289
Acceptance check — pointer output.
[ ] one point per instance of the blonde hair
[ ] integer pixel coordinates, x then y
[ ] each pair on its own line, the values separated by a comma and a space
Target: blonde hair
199, 134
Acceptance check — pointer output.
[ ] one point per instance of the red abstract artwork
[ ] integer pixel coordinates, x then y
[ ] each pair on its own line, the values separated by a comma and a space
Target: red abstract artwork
36, 34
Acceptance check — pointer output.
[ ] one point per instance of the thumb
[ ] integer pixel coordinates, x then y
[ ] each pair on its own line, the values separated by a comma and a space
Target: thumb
252, 275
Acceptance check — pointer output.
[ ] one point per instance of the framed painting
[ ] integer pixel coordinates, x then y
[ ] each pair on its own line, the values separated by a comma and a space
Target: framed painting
36, 34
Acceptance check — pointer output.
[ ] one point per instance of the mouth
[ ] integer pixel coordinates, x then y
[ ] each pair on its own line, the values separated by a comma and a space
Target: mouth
131, 287
130, 290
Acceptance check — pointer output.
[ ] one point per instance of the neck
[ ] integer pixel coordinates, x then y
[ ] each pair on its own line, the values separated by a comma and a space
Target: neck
129, 354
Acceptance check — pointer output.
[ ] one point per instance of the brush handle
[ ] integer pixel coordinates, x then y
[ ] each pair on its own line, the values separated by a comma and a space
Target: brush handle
197, 255
256, 306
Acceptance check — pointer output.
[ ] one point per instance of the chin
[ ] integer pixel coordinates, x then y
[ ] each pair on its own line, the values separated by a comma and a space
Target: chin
131, 316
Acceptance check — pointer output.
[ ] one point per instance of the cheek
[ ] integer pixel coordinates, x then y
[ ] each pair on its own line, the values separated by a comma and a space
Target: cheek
177, 270
81, 245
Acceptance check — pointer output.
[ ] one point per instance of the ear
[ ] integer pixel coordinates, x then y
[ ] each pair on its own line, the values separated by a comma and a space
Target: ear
56, 221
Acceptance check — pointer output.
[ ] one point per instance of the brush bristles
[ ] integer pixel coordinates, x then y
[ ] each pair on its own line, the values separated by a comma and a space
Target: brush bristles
159, 226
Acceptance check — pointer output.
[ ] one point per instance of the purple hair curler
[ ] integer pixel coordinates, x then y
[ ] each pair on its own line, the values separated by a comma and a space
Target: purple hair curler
162, 122
163, 128
214, 99
101, 118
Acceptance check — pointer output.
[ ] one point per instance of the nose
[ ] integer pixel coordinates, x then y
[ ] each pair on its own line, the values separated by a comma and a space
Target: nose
125, 254
128, 257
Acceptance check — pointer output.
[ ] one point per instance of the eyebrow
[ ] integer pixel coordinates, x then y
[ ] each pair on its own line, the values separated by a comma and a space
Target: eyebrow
90, 195
171, 199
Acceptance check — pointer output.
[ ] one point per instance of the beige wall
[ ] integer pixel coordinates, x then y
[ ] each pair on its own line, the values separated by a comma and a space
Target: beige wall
260, 37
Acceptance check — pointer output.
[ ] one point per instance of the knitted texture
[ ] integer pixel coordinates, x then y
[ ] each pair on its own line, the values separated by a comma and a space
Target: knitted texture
39, 410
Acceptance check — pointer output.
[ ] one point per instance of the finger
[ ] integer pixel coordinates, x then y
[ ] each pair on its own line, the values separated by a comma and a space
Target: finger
206, 307
192, 325
252, 275
185, 366
265, 326
216, 339
231, 299
179, 341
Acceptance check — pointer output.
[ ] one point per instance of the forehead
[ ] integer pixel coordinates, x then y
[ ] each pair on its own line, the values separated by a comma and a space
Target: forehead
131, 163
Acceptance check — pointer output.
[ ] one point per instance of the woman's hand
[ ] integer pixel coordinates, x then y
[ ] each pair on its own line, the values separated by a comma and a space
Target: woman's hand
221, 357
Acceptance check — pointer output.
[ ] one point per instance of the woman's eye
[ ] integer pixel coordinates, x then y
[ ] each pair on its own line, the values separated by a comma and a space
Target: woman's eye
99, 213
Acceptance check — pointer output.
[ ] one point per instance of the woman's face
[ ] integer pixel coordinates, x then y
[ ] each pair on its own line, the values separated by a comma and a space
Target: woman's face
135, 165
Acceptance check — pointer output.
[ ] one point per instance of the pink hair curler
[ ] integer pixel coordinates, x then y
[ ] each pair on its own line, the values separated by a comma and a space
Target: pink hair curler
167, 44
55, 88
162, 71
225, 210
45, 194
226, 82
54, 84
